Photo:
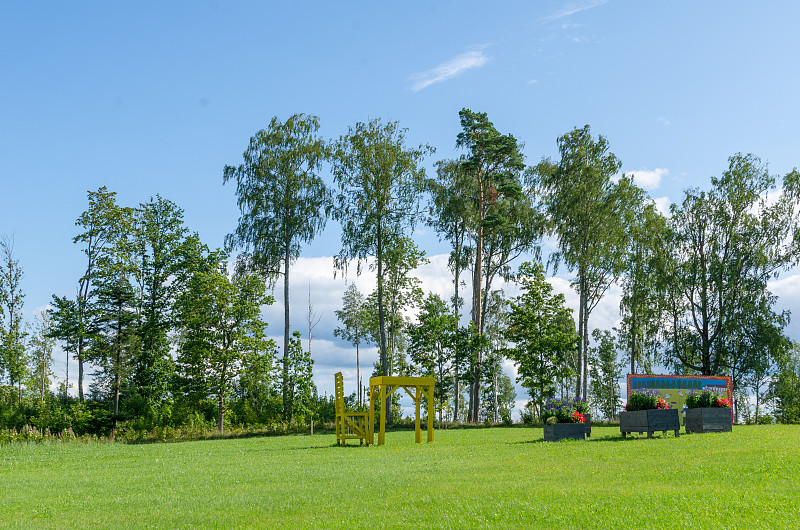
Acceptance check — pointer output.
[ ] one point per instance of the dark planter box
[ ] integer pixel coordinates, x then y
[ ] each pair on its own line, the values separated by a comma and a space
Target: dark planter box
649, 421
568, 431
710, 419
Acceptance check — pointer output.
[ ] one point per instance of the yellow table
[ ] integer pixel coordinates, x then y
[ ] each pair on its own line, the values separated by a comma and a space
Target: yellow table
383, 387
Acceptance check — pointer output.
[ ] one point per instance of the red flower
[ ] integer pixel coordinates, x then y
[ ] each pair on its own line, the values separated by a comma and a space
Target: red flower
577, 417
723, 402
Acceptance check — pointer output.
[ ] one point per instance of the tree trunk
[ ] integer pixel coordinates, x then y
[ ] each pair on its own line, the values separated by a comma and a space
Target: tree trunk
382, 323
287, 413
455, 397
633, 342
358, 371
80, 367
581, 311
477, 279
457, 276
118, 362
220, 411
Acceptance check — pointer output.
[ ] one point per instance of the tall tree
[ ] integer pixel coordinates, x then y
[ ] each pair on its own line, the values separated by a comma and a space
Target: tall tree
402, 291
493, 163
41, 354
542, 332
301, 379
12, 349
726, 244
166, 255
587, 211
606, 372
431, 345
784, 388
65, 326
283, 203
354, 329
379, 181
99, 223
451, 211
221, 317
114, 302
643, 299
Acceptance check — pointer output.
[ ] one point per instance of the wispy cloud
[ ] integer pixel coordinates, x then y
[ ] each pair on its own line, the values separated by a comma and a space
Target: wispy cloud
448, 69
571, 9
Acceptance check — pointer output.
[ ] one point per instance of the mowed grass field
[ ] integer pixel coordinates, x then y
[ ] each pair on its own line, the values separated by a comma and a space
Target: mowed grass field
498, 477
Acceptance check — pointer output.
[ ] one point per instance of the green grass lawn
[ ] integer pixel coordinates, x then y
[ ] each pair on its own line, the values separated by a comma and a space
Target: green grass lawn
500, 477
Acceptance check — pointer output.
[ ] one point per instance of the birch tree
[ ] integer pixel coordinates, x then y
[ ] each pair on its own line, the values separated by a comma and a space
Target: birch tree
283, 203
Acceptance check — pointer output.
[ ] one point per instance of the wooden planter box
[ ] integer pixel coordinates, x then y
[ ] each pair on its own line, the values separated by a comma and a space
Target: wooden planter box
568, 431
649, 421
708, 419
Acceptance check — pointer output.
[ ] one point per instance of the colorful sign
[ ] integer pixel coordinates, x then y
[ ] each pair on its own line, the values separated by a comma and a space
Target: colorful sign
675, 388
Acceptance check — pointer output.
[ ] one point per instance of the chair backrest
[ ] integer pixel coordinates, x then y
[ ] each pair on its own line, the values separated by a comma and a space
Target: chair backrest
339, 393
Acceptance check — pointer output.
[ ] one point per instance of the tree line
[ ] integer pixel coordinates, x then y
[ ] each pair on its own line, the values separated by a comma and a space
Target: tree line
175, 335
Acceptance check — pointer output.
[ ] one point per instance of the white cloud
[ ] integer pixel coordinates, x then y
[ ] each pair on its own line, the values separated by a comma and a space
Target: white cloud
533, 81
649, 179
662, 205
448, 69
571, 9
664, 121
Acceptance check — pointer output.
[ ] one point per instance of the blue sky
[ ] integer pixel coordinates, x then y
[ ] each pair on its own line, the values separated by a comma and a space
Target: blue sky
147, 98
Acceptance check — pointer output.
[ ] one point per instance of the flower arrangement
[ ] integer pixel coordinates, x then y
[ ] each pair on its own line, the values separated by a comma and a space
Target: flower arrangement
645, 400
706, 399
565, 410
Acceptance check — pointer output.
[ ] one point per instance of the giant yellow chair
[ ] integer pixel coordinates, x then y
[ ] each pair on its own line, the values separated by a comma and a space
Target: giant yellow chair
349, 424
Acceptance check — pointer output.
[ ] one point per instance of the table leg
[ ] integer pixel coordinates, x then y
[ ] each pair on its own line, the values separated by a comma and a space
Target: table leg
430, 413
417, 430
382, 432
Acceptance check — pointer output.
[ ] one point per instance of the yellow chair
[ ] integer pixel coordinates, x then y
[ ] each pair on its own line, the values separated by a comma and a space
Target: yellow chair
349, 424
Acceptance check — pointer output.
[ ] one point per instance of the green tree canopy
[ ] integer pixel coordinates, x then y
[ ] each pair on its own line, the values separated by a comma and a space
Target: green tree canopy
283, 203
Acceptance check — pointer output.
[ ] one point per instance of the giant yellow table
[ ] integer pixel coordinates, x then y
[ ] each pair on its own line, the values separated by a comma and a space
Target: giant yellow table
383, 386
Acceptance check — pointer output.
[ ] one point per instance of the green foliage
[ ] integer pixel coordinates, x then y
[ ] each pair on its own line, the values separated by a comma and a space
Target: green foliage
166, 257
432, 345
543, 333
380, 181
703, 399
784, 390
301, 389
606, 372
41, 355
221, 319
354, 316
643, 297
498, 394
282, 199
726, 244
587, 211
13, 359
283, 203
645, 400
502, 223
